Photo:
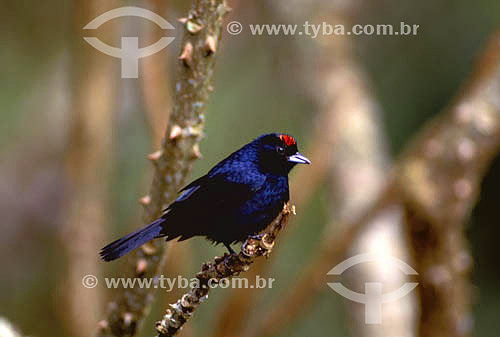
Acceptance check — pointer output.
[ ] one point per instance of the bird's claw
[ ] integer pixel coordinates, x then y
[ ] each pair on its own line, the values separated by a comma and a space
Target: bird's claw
227, 257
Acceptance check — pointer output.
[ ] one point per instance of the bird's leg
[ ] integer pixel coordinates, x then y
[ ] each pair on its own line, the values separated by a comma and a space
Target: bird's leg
227, 257
231, 250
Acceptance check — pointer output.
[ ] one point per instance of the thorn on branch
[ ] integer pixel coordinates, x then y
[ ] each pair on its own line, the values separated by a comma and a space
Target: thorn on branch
142, 265
155, 156
210, 45
196, 151
103, 324
187, 55
193, 27
145, 200
127, 318
175, 132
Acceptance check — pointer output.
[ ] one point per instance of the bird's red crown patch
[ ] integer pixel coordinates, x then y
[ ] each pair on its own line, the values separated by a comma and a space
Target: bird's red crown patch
288, 140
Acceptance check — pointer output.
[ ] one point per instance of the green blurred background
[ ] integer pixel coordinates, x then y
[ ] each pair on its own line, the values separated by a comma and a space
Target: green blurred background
257, 91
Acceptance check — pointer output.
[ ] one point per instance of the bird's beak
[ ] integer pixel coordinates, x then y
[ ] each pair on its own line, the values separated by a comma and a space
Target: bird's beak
299, 159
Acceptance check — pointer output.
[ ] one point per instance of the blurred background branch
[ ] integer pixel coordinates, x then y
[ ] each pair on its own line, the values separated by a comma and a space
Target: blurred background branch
440, 176
7, 329
89, 145
155, 82
359, 167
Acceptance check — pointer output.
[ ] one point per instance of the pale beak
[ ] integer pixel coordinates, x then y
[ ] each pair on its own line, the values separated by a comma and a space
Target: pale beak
299, 159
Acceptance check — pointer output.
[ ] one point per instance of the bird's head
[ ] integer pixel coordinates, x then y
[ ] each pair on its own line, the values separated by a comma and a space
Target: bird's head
278, 153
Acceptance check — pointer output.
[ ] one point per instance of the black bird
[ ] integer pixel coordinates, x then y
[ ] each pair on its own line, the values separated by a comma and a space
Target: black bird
240, 196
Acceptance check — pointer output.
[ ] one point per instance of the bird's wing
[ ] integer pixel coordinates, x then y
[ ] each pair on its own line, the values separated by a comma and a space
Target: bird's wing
218, 189
204, 200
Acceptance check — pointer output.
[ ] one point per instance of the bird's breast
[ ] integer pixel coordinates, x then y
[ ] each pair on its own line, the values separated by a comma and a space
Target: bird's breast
267, 202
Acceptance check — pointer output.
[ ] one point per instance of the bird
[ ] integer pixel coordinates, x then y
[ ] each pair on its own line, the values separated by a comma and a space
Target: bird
240, 196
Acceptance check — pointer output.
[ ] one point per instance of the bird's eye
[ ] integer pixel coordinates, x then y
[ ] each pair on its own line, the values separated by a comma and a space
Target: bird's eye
279, 149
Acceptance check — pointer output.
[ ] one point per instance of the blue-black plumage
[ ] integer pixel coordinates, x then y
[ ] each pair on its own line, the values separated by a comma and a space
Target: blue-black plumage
238, 197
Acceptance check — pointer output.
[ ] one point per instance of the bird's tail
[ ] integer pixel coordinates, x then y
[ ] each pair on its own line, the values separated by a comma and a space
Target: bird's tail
132, 241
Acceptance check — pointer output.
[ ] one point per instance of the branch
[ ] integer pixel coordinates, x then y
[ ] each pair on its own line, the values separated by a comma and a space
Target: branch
360, 159
222, 268
440, 177
174, 161
89, 144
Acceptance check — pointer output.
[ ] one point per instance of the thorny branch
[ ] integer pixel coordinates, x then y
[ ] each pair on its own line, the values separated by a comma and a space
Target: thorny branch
174, 160
222, 268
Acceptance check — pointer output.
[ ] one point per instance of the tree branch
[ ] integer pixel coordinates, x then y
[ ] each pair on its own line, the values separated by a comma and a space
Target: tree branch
89, 144
174, 161
224, 267
440, 178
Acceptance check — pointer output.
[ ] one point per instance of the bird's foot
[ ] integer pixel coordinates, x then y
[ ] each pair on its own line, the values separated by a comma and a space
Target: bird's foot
227, 256
231, 250
226, 260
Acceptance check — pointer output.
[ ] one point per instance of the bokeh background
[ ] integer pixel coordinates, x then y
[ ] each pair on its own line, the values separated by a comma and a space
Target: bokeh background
262, 84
